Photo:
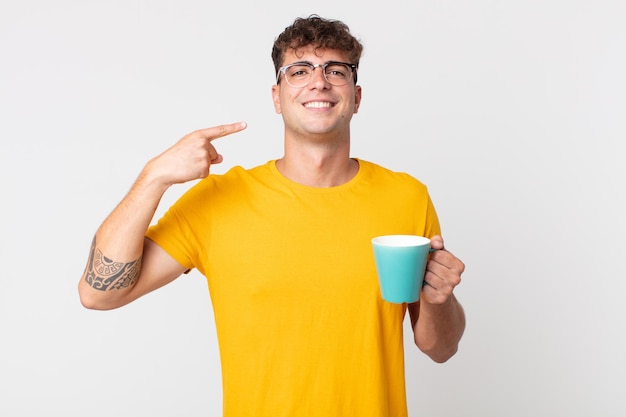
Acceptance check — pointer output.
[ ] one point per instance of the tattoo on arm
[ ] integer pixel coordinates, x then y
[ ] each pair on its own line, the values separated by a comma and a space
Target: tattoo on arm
105, 274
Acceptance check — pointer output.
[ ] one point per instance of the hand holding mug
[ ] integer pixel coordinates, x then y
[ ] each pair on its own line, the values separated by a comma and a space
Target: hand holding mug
443, 273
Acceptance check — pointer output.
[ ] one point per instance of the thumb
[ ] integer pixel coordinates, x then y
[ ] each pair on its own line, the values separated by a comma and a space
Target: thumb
436, 242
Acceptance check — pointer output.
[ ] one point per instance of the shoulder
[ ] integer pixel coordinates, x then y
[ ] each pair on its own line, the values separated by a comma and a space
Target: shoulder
236, 175
378, 174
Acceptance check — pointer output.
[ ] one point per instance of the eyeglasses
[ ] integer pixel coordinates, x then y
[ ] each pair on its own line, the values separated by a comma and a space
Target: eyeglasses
300, 74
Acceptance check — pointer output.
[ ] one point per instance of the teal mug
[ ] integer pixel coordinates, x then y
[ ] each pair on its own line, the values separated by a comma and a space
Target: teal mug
400, 265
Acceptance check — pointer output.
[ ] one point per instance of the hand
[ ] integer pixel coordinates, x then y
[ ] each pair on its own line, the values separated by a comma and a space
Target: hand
443, 273
192, 156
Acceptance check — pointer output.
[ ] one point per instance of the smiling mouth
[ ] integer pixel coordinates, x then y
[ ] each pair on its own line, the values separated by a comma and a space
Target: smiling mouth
318, 105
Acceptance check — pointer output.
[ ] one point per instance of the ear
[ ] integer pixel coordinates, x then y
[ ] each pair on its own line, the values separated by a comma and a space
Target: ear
357, 98
276, 98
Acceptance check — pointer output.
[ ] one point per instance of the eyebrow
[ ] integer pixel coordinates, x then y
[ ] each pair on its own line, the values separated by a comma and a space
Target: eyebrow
310, 63
301, 62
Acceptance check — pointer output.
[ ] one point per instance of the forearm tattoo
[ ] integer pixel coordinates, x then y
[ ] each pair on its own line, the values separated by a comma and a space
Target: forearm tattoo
105, 274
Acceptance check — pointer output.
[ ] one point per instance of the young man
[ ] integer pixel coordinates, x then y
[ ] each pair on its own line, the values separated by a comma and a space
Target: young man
285, 248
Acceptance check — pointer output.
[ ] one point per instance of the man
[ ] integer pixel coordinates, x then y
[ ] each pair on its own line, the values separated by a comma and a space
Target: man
285, 247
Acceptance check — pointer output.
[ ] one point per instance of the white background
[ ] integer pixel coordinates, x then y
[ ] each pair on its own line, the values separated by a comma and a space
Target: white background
512, 112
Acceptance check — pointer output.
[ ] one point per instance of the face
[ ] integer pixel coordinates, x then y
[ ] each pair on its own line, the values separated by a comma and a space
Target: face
318, 108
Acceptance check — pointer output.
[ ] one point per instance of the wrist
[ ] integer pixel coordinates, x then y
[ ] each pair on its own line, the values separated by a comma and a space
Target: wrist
152, 179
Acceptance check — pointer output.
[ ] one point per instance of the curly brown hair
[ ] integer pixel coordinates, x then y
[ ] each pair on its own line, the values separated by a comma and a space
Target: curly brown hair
319, 32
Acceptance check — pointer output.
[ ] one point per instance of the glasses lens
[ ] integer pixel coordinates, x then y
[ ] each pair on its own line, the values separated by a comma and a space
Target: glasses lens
298, 75
338, 74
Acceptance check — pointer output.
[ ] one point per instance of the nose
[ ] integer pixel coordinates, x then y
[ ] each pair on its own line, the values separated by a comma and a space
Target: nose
318, 79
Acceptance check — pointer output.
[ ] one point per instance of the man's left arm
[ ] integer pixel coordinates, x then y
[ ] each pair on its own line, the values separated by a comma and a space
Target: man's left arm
438, 319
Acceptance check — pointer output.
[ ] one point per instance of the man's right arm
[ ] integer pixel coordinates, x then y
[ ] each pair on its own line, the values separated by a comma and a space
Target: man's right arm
123, 265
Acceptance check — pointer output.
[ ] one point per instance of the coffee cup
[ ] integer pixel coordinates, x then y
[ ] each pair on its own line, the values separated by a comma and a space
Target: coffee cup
400, 265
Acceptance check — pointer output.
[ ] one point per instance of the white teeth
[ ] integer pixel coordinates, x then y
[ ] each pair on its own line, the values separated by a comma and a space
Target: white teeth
318, 104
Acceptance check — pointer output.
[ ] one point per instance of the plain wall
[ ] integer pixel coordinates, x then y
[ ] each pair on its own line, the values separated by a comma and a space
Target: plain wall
512, 113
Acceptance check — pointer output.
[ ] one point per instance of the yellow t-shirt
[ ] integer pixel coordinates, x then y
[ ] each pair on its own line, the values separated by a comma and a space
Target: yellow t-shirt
302, 328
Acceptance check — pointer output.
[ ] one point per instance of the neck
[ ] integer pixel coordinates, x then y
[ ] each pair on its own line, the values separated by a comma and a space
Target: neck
318, 165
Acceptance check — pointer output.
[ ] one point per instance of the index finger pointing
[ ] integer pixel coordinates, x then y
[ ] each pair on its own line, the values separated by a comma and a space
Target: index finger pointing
216, 132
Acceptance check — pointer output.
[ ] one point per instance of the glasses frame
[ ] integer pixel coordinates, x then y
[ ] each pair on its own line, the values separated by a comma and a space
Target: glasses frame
283, 70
